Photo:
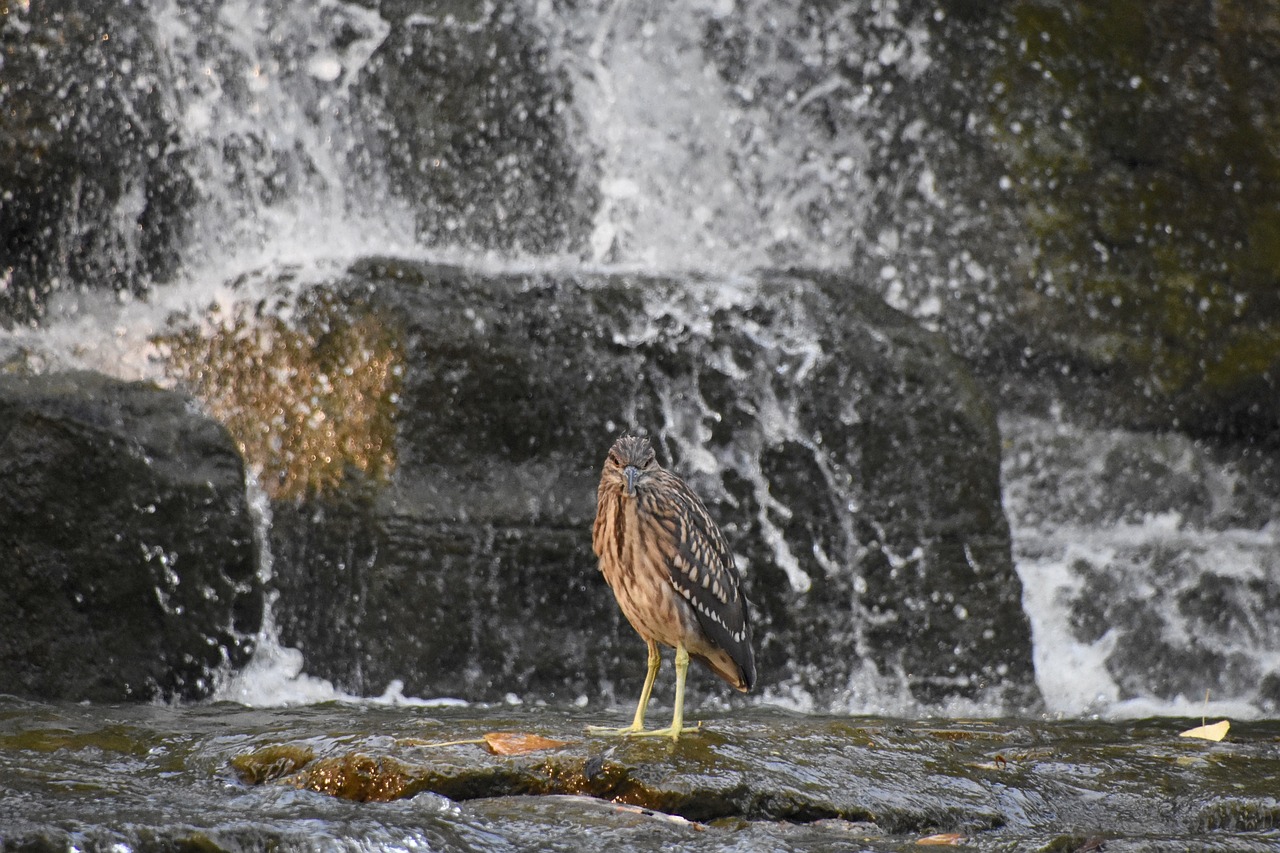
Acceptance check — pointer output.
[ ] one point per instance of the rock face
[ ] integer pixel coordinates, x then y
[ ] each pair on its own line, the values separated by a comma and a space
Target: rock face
94, 189
1139, 142
131, 566
473, 121
848, 456
1090, 191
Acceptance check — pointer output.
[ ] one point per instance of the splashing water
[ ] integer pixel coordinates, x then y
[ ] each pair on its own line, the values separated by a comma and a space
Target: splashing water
1148, 569
263, 95
274, 676
700, 169
717, 162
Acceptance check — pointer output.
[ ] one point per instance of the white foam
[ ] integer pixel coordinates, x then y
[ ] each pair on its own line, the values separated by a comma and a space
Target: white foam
273, 678
1072, 676
1072, 538
1211, 710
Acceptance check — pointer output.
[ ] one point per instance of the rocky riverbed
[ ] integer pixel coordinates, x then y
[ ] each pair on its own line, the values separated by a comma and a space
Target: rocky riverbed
377, 776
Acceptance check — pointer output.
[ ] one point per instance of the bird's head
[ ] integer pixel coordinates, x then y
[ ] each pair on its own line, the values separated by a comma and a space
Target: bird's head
629, 461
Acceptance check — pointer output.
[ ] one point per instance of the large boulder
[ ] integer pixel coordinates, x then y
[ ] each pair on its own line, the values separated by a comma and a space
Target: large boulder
131, 563
849, 457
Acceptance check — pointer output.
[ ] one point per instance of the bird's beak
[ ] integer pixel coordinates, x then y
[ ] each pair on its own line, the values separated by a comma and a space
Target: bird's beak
631, 474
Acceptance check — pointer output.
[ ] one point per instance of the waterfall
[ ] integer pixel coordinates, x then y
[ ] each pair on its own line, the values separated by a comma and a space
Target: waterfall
706, 136
262, 96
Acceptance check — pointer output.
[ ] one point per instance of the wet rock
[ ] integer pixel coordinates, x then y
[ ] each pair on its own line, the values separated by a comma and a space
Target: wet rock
473, 120
94, 189
170, 778
1139, 142
271, 762
798, 772
132, 567
850, 458
762, 772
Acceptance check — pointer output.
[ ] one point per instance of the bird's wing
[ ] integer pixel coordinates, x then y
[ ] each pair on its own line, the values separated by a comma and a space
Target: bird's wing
702, 571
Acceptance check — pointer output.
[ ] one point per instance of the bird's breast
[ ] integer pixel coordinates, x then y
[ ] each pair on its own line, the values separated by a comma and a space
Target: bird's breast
635, 568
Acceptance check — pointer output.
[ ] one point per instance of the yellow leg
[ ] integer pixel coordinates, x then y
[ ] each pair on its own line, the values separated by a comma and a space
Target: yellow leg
637, 723
673, 731
677, 719
682, 669
655, 661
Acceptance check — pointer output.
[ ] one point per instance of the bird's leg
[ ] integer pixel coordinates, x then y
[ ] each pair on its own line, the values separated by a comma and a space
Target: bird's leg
682, 669
655, 661
674, 730
637, 723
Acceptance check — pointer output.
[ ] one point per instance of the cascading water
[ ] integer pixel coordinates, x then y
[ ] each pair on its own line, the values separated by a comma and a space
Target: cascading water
721, 138
727, 138
1148, 565
262, 96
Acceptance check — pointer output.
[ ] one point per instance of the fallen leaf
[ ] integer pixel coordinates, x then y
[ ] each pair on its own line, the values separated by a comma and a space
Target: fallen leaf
996, 763
518, 743
942, 839
1213, 731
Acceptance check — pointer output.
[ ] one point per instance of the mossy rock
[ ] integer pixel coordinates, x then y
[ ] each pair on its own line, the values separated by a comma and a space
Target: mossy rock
850, 457
1143, 143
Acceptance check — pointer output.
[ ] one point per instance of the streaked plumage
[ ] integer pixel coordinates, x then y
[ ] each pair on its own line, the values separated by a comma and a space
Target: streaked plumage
671, 572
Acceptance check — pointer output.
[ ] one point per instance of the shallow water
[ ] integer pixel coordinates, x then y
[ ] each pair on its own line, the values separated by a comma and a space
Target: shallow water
95, 777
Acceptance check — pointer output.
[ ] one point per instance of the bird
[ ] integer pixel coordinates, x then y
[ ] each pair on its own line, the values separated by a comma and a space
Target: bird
672, 574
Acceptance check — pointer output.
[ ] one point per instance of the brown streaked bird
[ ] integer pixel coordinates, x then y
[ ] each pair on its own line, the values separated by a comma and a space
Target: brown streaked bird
671, 571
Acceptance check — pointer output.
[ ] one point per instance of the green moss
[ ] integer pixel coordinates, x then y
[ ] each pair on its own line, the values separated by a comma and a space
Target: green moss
1262, 252
1252, 353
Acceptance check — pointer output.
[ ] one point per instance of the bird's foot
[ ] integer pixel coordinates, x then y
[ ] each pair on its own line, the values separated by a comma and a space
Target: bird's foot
637, 731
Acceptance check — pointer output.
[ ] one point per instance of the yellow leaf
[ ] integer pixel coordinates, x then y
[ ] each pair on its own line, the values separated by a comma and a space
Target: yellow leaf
1214, 731
942, 839
518, 743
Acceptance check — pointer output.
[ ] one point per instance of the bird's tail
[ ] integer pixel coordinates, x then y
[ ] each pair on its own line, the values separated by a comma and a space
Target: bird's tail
727, 668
